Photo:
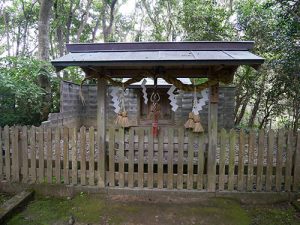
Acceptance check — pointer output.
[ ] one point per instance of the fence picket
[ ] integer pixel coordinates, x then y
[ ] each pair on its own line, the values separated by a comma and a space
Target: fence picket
111, 157
279, 155
49, 155
92, 157
41, 154
170, 157
15, 154
231, 165
288, 162
296, 183
24, 141
180, 158
66, 154
160, 175
57, 155
83, 156
121, 140
269, 172
240, 186
222, 160
7, 153
150, 159
260, 160
251, 144
200, 162
73, 138
141, 158
190, 160
131, 159
33, 154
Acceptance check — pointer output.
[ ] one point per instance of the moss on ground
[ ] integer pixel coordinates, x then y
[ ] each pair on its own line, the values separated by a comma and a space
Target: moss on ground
94, 209
277, 214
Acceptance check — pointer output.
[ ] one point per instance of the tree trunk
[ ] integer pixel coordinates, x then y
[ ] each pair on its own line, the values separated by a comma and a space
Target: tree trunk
43, 53
107, 29
43, 27
84, 18
257, 102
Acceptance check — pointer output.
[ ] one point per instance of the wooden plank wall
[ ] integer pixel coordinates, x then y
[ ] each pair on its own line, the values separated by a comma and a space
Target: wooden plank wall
176, 159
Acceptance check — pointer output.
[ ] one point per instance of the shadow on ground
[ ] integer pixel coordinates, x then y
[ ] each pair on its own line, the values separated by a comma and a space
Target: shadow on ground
95, 209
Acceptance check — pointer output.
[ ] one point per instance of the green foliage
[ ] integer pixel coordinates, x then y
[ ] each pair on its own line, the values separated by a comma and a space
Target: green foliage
20, 93
203, 20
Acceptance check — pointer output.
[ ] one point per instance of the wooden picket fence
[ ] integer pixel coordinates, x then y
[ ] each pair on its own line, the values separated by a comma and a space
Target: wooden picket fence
177, 159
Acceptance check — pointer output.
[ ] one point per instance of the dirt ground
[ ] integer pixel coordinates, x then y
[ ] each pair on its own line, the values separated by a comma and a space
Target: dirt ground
96, 210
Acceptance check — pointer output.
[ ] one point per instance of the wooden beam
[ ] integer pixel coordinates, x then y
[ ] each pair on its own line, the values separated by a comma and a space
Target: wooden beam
212, 137
179, 72
101, 125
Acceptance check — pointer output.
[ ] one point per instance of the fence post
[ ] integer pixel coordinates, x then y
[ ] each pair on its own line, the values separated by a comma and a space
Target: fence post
212, 137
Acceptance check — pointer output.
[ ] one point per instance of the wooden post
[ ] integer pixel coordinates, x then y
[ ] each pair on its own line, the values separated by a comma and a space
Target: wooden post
101, 125
212, 137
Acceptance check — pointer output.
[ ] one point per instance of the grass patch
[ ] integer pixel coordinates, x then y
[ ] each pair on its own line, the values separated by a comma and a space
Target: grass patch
278, 214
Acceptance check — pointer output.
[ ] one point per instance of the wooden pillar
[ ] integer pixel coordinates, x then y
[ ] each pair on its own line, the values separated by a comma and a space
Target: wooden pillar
212, 137
101, 129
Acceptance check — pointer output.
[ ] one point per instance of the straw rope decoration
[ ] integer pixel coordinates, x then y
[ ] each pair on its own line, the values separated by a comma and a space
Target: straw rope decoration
177, 83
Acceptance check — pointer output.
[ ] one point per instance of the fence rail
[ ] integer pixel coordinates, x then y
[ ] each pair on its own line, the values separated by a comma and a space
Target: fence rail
177, 159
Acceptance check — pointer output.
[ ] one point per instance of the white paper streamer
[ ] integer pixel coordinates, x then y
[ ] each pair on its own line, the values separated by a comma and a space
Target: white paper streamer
201, 102
115, 98
144, 91
172, 98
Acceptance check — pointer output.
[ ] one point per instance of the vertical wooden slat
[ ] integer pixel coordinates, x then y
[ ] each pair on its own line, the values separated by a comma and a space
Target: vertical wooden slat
250, 160
83, 156
180, 158
7, 153
131, 158
92, 156
160, 181
212, 137
15, 154
41, 154
66, 154
73, 138
49, 155
288, 162
296, 182
141, 158
170, 158
24, 139
111, 155
57, 155
260, 160
279, 160
222, 160
101, 129
232, 140
33, 154
240, 186
121, 157
269, 172
190, 160
200, 162
150, 159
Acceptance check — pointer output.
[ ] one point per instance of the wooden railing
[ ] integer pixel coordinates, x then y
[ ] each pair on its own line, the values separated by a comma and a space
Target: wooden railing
177, 159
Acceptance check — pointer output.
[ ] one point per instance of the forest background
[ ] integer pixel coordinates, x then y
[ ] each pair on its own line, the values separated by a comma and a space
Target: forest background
32, 32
